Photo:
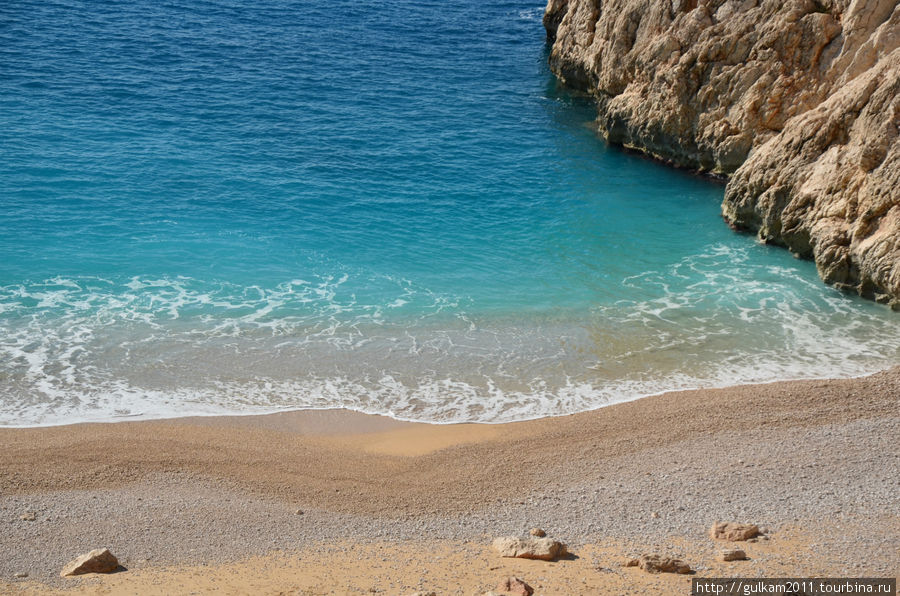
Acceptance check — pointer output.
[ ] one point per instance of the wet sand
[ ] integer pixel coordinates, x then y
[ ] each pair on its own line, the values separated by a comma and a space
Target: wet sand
211, 504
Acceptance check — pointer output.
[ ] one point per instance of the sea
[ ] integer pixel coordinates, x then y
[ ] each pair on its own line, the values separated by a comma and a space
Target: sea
230, 207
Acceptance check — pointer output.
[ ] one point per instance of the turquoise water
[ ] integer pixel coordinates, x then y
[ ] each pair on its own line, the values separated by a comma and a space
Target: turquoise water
212, 207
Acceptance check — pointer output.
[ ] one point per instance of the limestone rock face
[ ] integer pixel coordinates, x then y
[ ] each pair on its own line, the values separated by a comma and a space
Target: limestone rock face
796, 98
828, 186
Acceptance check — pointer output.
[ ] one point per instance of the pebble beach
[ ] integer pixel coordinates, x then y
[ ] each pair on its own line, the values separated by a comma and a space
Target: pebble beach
334, 502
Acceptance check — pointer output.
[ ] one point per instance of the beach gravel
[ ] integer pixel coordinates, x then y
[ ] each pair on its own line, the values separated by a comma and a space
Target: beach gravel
820, 465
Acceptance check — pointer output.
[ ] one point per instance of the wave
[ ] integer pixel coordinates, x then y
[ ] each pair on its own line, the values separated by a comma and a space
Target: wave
91, 348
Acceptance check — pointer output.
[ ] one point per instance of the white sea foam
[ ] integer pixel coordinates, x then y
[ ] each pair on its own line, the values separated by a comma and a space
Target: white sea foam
93, 349
531, 14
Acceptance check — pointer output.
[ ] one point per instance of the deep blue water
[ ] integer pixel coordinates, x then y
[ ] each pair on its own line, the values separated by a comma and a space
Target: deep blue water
389, 206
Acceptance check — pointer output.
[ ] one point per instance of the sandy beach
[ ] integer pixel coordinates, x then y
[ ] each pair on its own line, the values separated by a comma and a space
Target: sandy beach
335, 502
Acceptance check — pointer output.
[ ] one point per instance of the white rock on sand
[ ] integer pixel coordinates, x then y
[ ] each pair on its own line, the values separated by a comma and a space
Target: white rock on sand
97, 561
545, 549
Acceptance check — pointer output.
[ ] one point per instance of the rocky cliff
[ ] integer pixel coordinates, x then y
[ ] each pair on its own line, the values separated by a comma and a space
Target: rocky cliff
796, 101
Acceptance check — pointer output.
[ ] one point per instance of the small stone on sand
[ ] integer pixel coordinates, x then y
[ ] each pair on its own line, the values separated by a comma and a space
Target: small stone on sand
733, 531
97, 561
659, 564
544, 549
732, 554
514, 586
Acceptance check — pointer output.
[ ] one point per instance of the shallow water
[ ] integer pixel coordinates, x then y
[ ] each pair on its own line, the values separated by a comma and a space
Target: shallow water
242, 207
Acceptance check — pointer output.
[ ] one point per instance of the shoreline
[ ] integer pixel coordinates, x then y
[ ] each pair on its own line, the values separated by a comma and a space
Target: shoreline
816, 461
302, 409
